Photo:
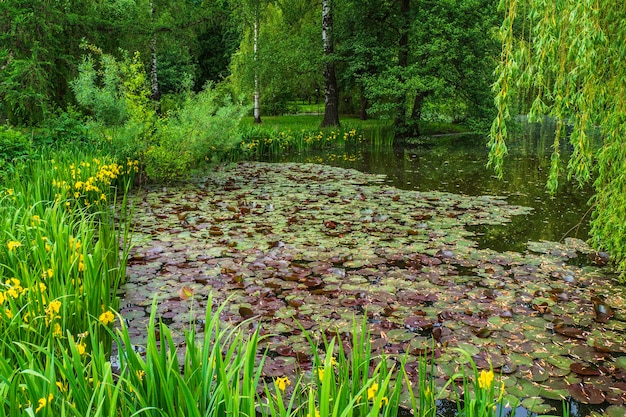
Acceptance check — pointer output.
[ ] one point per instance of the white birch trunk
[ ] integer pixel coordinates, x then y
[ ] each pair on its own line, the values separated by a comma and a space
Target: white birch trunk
154, 80
257, 105
331, 98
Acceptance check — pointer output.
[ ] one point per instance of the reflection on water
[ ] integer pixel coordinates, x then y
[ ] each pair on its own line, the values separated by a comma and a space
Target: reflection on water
458, 165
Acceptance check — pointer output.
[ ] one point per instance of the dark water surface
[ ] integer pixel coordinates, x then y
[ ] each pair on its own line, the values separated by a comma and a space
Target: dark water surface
457, 164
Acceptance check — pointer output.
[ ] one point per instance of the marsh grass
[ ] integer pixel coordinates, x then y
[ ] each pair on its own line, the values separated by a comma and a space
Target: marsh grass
301, 133
60, 265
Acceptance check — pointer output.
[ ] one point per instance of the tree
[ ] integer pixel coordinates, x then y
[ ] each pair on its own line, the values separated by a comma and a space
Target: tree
442, 64
251, 14
568, 57
257, 108
35, 59
289, 59
331, 94
366, 42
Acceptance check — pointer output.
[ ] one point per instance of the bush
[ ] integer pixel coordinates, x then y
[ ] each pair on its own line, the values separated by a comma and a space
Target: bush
67, 128
205, 128
98, 89
196, 128
14, 147
167, 164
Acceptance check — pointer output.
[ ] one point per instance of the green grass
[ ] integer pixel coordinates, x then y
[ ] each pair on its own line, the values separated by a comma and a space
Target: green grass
311, 122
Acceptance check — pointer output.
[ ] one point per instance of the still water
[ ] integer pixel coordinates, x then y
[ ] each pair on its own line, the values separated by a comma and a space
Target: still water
457, 164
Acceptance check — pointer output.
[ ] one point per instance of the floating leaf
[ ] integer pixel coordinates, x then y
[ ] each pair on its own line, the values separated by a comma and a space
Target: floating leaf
185, 293
584, 370
246, 312
536, 405
616, 411
571, 332
586, 393
603, 311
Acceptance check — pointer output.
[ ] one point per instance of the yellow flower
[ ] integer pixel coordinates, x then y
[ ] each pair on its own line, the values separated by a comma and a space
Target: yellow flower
320, 373
82, 348
371, 391
60, 386
13, 244
317, 414
2, 298
57, 332
282, 383
485, 379
8, 313
140, 374
15, 291
53, 308
43, 402
106, 317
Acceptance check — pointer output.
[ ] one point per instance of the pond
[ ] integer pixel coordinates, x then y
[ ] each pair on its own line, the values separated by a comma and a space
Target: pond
457, 164
390, 237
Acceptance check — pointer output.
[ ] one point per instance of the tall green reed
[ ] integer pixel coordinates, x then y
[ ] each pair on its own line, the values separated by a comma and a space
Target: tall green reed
60, 265
260, 141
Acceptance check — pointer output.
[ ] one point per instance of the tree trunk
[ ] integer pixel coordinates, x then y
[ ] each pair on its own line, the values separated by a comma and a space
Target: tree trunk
403, 62
154, 79
257, 105
331, 95
413, 125
364, 105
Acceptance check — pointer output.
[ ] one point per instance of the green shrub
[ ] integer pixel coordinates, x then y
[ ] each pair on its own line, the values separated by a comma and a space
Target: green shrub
196, 127
97, 89
205, 128
66, 128
166, 164
14, 147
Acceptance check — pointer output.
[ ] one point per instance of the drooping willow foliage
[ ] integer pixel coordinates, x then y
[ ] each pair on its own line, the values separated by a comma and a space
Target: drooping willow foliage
568, 57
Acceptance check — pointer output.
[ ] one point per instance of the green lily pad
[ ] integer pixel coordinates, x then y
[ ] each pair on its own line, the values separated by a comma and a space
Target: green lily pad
536, 405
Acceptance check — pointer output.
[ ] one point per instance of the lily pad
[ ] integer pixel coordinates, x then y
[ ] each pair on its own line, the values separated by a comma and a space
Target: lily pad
536, 405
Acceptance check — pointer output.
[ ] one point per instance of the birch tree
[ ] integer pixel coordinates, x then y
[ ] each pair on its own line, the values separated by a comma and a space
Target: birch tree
331, 95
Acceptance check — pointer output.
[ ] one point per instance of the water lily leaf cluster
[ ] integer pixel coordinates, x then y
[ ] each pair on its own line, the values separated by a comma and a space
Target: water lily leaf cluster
303, 246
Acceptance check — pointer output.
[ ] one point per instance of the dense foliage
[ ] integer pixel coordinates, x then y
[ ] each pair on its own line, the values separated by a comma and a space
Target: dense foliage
565, 60
402, 62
